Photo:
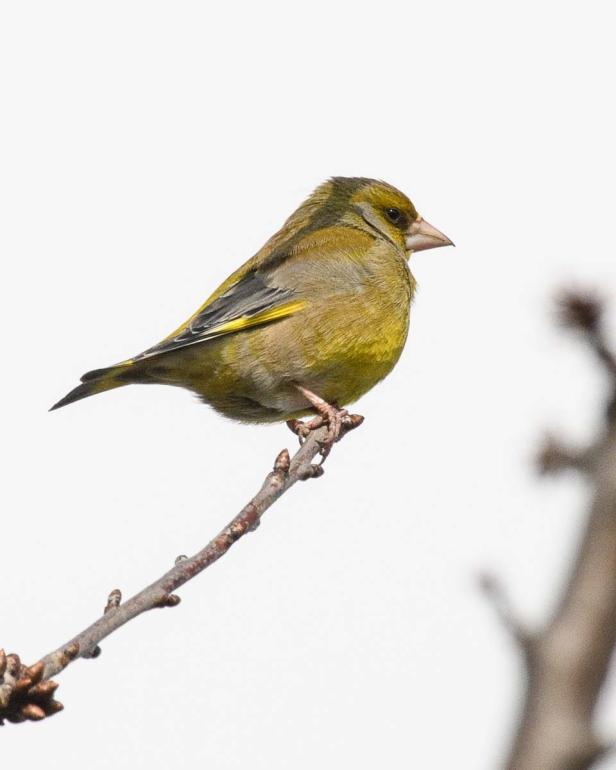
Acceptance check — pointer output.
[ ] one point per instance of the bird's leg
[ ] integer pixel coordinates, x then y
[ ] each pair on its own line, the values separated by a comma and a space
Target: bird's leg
339, 421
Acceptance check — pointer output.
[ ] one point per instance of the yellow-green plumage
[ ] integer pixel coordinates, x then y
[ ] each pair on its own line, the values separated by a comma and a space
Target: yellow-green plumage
324, 304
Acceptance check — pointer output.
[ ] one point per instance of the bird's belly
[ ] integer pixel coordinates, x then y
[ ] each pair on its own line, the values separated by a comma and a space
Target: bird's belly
340, 364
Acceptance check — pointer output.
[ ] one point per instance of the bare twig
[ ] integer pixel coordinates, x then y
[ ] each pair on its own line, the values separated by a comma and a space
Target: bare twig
498, 597
569, 659
583, 310
554, 456
286, 472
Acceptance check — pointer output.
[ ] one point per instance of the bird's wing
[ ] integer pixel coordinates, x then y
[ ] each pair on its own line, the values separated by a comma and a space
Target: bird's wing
260, 292
247, 303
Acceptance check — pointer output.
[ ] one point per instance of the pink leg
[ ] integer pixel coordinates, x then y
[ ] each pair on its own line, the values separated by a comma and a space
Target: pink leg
338, 420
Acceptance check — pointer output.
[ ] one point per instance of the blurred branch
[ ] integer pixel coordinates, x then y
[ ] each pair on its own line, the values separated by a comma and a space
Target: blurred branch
26, 693
568, 660
498, 597
584, 311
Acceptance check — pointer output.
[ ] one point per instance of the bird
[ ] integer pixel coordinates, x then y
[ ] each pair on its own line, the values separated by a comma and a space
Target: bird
311, 322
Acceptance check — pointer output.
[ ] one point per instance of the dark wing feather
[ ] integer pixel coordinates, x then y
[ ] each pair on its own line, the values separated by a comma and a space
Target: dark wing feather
246, 299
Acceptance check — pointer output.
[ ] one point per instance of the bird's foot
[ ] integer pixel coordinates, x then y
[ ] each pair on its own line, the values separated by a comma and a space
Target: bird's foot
303, 429
338, 421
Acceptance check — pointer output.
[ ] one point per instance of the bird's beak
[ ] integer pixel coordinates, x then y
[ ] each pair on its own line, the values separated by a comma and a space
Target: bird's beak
421, 235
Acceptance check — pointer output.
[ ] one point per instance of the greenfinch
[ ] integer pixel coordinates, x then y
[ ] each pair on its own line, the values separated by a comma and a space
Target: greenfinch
310, 323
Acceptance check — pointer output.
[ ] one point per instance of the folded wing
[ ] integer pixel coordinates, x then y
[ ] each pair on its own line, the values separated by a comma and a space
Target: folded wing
247, 303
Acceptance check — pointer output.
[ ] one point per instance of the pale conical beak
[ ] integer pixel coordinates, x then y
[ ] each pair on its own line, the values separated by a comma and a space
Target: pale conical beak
421, 235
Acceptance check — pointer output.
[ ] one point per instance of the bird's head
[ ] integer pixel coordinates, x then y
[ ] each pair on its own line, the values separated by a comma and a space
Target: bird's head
384, 209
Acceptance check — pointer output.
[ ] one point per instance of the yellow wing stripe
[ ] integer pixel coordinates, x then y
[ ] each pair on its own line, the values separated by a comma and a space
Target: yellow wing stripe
258, 319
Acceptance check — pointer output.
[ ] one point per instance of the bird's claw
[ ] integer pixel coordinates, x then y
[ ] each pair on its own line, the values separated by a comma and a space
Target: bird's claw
304, 429
339, 423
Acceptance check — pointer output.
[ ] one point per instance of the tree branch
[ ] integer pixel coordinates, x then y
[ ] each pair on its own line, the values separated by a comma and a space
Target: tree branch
22, 688
569, 659
498, 597
583, 311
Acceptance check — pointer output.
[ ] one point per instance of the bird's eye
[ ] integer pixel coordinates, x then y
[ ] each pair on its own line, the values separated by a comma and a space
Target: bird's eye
393, 215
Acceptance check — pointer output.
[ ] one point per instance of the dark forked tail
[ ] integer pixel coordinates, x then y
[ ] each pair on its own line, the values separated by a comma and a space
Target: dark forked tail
97, 381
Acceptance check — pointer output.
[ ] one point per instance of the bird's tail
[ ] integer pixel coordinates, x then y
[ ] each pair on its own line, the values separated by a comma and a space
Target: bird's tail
98, 381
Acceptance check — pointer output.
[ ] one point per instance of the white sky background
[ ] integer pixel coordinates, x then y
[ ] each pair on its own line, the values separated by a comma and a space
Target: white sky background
147, 150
